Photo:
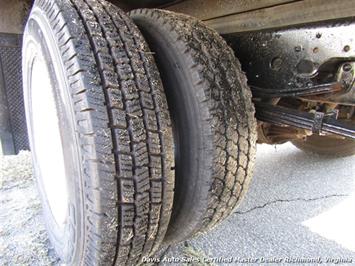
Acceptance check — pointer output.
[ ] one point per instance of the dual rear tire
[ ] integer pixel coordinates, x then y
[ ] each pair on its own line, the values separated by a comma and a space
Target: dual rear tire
111, 137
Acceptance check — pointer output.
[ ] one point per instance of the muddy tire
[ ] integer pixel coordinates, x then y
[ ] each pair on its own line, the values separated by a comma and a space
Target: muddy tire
100, 132
328, 146
213, 119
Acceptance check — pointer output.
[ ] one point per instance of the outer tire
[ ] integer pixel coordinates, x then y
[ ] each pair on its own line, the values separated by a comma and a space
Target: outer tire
213, 119
115, 131
324, 145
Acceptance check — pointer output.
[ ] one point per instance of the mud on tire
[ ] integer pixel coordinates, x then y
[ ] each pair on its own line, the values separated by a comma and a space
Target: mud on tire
213, 119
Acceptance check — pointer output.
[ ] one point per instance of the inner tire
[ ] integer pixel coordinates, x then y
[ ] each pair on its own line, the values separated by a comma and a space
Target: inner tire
95, 106
325, 145
213, 119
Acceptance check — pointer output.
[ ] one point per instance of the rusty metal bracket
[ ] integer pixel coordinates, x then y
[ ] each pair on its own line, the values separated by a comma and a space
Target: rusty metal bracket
317, 122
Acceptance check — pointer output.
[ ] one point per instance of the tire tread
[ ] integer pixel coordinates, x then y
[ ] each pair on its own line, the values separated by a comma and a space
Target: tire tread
112, 75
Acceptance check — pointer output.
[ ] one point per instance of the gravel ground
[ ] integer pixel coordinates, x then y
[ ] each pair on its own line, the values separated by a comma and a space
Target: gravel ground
299, 206
23, 239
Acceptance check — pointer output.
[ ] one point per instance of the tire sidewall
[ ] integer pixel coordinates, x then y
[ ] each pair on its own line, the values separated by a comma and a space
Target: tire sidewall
193, 146
39, 35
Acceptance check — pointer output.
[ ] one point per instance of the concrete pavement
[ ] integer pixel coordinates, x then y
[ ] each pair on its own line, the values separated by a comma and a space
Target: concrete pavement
300, 209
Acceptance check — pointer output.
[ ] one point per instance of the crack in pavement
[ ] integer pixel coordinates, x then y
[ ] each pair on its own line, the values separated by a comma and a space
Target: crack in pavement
290, 200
